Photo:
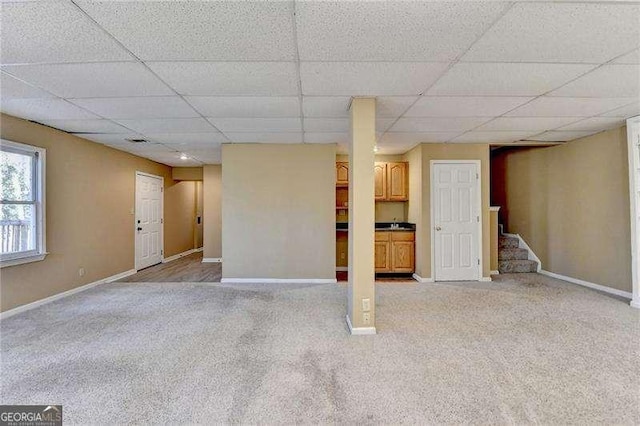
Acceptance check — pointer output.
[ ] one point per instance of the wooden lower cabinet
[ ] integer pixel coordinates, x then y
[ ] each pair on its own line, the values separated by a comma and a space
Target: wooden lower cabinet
395, 252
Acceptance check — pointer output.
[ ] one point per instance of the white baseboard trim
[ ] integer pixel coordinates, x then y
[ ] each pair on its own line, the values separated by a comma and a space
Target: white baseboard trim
524, 245
422, 280
635, 304
279, 280
584, 283
360, 331
342, 268
494, 272
29, 306
198, 250
179, 255
211, 260
485, 279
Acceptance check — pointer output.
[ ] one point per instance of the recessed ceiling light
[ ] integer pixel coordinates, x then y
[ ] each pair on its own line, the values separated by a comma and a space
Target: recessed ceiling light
375, 148
184, 157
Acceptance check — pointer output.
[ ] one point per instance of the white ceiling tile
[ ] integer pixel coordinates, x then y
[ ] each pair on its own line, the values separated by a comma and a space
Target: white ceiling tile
142, 147
390, 30
464, 106
568, 107
630, 58
239, 125
53, 32
408, 138
89, 80
246, 106
437, 124
168, 125
111, 138
44, 109
560, 32
326, 137
210, 156
13, 88
138, 107
191, 139
595, 124
393, 106
368, 78
539, 124
229, 78
626, 111
326, 106
557, 136
608, 81
326, 125
86, 126
505, 79
492, 137
197, 30
383, 124
276, 137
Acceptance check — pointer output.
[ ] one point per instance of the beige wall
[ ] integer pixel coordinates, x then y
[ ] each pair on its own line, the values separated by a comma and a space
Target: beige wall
186, 173
454, 152
278, 210
212, 213
90, 196
570, 203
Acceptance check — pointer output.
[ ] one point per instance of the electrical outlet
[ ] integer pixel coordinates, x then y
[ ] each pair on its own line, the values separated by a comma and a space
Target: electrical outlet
366, 305
81, 272
366, 317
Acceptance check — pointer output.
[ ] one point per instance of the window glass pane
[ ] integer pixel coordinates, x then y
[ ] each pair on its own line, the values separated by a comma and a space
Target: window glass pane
16, 172
17, 228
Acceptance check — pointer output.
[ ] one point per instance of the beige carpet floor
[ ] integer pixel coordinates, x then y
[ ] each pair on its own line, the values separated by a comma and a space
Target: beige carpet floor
522, 349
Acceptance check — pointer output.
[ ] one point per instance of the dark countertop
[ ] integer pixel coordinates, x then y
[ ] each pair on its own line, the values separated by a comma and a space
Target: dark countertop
381, 226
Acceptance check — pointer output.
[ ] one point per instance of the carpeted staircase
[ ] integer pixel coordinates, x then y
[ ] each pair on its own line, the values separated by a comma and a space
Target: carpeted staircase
512, 258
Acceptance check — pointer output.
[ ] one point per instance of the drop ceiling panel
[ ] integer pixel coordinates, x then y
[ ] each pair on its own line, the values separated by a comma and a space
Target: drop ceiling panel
630, 58
54, 32
505, 79
558, 136
387, 31
404, 138
326, 125
608, 81
568, 107
275, 137
467, 106
326, 106
368, 78
44, 109
231, 78
88, 80
199, 30
143, 148
138, 107
168, 125
560, 32
111, 138
393, 106
595, 124
326, 137
86, 126
13, 88
437, 124
539, 124
206, 157
191, 139
246, 106
257, 124
626, 111
492, 137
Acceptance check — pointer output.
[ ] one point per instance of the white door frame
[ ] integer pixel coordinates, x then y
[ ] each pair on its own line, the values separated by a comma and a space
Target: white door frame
478, 164
633, 153
135, 215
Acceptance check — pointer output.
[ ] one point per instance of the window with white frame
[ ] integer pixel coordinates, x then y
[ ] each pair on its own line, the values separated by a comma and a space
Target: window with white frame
22, 233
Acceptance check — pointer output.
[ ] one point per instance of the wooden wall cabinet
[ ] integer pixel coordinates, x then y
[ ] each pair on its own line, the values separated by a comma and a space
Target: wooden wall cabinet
342, 174
380, 179
395, 252
391, 181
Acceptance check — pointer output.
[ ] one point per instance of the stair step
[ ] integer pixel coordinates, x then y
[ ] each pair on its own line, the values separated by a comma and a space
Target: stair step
517, 266
508, 242
513, 254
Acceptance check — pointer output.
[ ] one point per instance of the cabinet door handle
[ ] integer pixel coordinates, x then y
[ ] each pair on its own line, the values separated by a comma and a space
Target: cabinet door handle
438, 228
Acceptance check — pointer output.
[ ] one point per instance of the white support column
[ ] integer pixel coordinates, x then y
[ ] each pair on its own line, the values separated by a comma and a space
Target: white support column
361, 291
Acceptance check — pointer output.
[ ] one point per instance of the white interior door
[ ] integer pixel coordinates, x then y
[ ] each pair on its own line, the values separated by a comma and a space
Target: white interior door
633, 137
148, 223
456, 221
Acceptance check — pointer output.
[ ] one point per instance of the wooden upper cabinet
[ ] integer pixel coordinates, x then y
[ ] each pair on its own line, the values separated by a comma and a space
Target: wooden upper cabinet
342, 174
398, 182
380, 179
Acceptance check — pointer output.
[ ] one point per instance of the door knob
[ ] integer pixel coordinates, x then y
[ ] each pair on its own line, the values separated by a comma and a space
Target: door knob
438, 228
139, 229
